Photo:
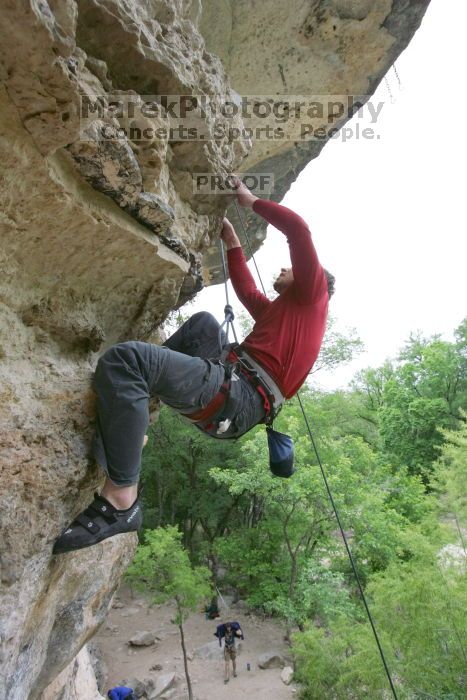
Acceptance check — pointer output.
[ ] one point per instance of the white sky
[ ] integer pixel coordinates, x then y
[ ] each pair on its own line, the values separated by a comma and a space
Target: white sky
388, 216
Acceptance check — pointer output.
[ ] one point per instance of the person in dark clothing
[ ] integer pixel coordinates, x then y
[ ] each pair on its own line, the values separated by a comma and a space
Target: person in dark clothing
230, 652
212, 610
218, 392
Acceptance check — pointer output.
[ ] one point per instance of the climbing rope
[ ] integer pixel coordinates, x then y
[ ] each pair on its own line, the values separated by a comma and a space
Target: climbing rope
328, 489
352, 561
249, 247
228, 310
227, 607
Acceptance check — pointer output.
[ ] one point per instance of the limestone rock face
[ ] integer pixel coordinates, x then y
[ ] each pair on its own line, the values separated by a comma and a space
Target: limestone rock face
103, 232
143, 639
287, 675
271, 659
76, 682
164, 682
210, 651
298, 51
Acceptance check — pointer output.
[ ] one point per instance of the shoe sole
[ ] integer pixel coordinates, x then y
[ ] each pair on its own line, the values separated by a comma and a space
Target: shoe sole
91, 544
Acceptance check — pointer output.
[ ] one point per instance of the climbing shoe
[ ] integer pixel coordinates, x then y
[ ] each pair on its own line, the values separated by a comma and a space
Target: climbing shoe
99, 521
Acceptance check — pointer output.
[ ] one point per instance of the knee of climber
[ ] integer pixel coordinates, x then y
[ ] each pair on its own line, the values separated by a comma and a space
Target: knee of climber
205, 319
115, 362
119, 354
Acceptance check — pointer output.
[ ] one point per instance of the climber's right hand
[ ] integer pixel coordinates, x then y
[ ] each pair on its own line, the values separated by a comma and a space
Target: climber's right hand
228, 235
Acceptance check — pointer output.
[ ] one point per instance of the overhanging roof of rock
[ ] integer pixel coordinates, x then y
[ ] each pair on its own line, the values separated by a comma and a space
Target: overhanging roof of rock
296, 48
57, 52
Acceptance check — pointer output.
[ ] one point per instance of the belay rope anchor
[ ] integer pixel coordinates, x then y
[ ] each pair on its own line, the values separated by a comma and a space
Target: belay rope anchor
229, 317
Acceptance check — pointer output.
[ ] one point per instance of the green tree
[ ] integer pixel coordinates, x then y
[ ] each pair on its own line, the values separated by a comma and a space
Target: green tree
420, 614
162, 566
337, 348
414, 399
297, 525
177, 486
450, 478
293, 514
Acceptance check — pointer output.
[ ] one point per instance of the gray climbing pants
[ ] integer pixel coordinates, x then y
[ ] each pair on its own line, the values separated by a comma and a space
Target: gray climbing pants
185, 373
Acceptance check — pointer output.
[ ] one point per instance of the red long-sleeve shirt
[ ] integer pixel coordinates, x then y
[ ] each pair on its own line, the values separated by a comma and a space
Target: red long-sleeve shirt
288, 331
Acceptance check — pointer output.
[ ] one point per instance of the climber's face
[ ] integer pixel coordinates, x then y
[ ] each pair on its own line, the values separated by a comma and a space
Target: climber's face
284, 280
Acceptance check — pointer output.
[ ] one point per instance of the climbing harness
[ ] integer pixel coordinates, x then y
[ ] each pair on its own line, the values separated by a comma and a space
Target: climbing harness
273, 398
328, 489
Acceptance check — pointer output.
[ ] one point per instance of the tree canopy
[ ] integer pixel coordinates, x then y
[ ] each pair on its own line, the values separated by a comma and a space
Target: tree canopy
394, 447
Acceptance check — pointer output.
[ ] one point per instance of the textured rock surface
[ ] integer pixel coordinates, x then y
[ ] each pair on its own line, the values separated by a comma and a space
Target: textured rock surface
102, 238
271, 659
143, 639
287, 675
295, 48
163, 683
210, 651
76, 682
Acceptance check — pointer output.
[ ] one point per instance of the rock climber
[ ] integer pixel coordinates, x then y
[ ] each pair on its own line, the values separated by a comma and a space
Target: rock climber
224, 395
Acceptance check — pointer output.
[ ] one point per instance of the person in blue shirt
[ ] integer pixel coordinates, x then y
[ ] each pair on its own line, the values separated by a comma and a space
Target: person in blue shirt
121, 692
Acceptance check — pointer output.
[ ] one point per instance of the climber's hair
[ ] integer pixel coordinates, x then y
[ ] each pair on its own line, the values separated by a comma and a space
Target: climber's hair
331, 280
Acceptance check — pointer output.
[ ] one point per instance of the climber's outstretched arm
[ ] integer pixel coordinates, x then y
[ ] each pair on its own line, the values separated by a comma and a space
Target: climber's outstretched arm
308, 273
242, 280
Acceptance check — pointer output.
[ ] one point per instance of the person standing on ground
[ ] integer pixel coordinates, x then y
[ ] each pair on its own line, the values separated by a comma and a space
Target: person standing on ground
230, 652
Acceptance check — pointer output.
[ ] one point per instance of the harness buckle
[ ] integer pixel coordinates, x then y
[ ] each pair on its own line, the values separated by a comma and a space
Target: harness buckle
257, 379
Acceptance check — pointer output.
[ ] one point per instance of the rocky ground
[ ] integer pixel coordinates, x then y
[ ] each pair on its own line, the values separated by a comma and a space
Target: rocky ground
133, 614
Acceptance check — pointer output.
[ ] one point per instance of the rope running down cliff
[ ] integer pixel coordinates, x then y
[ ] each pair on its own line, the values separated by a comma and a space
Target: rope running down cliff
323, 473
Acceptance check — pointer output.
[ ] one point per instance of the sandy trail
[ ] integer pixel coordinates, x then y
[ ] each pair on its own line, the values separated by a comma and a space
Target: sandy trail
136, 615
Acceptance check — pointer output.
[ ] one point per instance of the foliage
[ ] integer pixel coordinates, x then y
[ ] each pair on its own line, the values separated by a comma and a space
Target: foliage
417, 397
337, 348
394, 448
162, 566
450, 477
297, 521
419, 606
322, 595
421, 617
177, 486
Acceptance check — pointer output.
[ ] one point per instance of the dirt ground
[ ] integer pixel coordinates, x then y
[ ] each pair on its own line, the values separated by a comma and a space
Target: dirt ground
136, 615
